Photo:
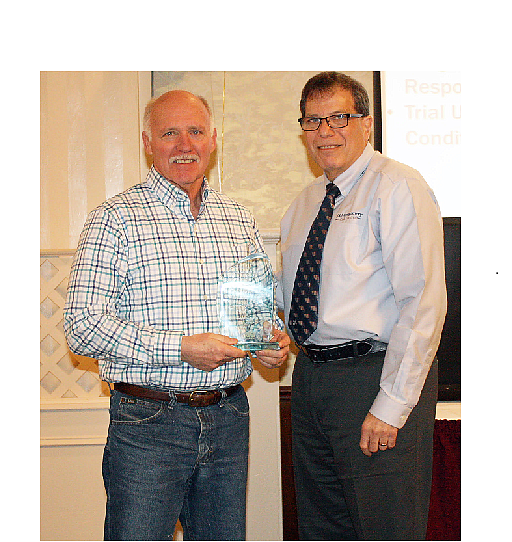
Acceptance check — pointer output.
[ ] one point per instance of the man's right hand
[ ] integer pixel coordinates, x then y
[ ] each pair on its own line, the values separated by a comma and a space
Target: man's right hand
207, 351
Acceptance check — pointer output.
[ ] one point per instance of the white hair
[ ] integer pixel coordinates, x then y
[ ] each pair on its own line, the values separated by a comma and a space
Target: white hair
146, 120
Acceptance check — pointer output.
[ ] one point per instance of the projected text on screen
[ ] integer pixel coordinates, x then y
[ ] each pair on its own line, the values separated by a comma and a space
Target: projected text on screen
422, 128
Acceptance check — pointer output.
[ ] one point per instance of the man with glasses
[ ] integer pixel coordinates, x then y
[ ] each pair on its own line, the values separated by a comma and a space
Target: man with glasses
364, 296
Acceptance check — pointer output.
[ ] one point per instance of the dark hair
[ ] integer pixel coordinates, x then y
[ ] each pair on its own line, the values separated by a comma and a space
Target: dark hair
326, 82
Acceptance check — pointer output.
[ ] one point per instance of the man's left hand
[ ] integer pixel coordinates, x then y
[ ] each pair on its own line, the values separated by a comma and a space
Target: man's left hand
376, 435
275, 358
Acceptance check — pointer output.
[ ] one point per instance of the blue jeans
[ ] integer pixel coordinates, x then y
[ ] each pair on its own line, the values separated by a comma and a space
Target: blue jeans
167, 460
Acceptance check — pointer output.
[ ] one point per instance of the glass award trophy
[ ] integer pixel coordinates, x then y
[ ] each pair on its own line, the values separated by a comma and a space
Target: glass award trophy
246, 303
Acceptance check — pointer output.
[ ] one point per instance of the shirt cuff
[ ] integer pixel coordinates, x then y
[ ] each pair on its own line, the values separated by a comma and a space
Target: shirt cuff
389, 411
167, 348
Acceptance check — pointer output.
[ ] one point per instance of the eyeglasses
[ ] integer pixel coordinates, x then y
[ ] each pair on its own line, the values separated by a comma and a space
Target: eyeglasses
333, 121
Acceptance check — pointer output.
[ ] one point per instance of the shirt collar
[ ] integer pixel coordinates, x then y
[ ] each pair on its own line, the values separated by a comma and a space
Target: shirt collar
171, 195
346, 180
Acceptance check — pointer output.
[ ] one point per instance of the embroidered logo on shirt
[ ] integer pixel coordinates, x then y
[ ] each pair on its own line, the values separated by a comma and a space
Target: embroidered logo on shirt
349, 216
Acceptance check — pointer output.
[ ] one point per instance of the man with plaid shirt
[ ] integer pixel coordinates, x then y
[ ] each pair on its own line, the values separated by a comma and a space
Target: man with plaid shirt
142, 299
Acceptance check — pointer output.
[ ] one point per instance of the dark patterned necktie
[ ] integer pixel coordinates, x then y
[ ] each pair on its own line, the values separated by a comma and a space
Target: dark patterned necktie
303, 317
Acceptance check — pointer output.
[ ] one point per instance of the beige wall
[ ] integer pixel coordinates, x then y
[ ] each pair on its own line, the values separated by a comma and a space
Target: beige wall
90, 147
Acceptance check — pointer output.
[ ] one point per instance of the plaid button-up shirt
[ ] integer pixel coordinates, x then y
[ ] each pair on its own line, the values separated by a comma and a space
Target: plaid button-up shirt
145, 274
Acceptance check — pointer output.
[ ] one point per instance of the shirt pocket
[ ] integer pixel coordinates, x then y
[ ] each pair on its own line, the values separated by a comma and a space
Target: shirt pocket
350, 246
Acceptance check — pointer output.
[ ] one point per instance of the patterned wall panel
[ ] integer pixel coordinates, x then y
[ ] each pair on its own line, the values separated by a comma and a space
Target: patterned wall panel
64, 375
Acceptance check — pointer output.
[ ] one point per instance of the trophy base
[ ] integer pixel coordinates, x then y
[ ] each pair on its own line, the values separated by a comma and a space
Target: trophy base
256, 346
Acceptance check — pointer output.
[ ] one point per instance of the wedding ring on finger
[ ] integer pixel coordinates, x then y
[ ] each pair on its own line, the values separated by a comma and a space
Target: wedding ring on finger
383, 444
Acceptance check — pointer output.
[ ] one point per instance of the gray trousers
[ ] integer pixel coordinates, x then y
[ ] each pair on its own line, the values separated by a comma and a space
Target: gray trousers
341, 493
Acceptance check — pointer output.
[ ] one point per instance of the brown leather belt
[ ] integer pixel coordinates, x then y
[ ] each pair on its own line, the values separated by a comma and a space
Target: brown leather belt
196, 398
352, 349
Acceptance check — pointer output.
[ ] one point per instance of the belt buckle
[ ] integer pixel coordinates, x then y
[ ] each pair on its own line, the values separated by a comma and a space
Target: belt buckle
367, 348
199, 398
315, 357
195, 398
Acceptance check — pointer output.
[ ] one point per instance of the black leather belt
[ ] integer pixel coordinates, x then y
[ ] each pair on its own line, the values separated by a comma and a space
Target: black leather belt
352, 349
196, 398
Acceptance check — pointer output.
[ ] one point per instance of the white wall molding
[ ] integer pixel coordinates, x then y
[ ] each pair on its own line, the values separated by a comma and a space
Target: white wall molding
448, 411
270, 236
55, 253
100, 403
95, 440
